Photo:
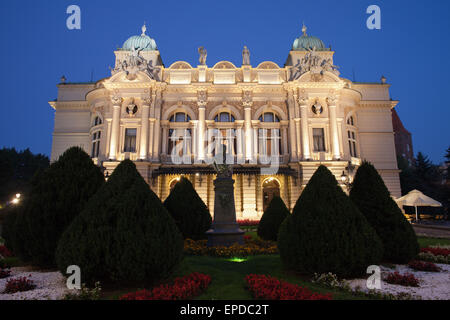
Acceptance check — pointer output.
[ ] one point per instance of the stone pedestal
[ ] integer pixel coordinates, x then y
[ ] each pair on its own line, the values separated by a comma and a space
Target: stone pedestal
224, 230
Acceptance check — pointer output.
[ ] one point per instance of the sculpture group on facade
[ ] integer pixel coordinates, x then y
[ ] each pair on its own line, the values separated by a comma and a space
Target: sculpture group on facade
133, 63
314, 63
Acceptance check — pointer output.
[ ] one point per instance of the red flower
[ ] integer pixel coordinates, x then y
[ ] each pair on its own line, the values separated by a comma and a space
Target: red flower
5, 252
248, 222
270, 288
407, 279
423, 266
18, 285
436, 251
181, 289
4, 273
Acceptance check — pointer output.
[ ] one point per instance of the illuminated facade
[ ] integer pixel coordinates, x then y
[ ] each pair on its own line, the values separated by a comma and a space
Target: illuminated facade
173, 121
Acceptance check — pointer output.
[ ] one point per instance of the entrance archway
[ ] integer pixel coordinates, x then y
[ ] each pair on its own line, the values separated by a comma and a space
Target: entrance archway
271, 188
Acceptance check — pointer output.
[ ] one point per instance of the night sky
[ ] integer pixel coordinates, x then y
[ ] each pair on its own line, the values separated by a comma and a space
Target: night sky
411, 50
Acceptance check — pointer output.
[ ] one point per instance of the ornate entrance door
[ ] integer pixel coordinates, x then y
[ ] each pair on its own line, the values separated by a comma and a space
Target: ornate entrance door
271, 188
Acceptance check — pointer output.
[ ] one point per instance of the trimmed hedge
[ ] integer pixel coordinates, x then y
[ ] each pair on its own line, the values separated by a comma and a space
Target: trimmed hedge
326, 232
124, 235
372, 197
188, 210
272, 218
58, 194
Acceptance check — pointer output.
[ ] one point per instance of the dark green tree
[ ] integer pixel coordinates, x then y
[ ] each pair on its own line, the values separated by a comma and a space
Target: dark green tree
57, 195
272, 218
17, 168
124, 234
188, 210
373, 199
326, 232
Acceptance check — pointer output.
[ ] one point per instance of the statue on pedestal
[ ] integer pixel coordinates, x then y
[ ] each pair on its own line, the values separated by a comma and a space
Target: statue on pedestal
224, 231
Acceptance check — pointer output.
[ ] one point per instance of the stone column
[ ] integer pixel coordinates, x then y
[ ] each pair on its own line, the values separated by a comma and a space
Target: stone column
248, 133
151, 138
255, 144
292, 135
143, 154
201, 102
157, 132
303, 102
194, 137
333, 127
284, 137
238, 137
115, 127
164, 140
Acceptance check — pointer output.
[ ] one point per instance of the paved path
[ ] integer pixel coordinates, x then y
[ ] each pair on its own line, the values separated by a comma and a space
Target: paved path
432, 231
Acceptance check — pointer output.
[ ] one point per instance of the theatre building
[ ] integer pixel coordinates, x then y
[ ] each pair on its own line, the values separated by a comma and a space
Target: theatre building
277, 123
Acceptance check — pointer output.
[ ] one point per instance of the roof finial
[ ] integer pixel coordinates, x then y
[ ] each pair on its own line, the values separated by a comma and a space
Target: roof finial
304, 29
144, 28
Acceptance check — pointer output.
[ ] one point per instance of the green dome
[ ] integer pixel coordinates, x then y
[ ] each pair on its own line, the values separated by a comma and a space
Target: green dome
142, 42
306, 42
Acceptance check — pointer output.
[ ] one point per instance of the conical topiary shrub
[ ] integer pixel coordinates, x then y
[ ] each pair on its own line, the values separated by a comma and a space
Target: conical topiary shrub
326, 232
272, 218
188, 210
124, 234
57, 195
373, 199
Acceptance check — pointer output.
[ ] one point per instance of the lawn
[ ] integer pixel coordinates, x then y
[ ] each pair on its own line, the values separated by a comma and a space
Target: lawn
426, 242
228, 277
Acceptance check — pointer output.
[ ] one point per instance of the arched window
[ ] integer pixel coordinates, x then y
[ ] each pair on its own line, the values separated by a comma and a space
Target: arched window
351, 137
224, 117
96, 137
350, 121
269, 117
180, 117
97, 121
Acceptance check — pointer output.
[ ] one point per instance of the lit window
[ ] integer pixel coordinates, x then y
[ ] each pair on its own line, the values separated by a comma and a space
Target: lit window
350, 121
180, 117
269, 142
97, 121
269, 117
181, 139
318, 139
224, 117
351, 135
96, 144
130, 140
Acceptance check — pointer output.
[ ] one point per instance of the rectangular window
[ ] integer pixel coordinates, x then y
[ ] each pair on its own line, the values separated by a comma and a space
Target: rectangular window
130, 140
318, 139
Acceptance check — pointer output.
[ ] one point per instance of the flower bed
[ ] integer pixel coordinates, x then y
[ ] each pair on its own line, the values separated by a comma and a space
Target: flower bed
423, 266
270, 288
251, 247
19, 285
248, 223
4, 273
436, 251
435, 254
182, 288
4, 252
407, 279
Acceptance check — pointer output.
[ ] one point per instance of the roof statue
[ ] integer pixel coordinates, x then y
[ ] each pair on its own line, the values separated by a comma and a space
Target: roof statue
203, 53
245, 56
